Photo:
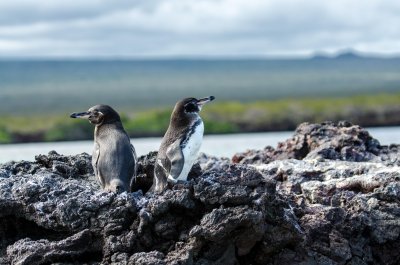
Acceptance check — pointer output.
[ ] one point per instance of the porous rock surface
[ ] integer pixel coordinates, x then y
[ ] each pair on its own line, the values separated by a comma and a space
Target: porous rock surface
328, 195
328, 140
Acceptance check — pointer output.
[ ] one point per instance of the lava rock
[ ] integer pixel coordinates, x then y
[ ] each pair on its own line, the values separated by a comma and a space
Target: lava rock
328, 195
328, 140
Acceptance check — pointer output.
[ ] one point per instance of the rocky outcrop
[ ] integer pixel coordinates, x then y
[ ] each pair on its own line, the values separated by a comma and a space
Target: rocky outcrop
341, 141
329, 195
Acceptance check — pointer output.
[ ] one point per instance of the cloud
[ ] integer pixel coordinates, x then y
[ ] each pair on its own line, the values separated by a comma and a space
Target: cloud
196, 27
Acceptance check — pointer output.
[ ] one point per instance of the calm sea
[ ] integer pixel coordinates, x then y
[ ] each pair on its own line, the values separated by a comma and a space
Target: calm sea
218, 145
64, 86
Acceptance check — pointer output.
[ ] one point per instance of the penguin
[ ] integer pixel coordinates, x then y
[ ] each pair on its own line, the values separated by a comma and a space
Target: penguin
114, 158
181, 143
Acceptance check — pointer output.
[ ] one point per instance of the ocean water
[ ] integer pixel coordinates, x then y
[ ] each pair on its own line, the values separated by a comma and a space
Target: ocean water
64, 86
217, 145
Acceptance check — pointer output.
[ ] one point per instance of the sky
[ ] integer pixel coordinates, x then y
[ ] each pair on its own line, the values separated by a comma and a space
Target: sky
197, 28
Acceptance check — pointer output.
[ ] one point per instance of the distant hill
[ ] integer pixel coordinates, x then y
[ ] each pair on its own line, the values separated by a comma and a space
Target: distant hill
349, 55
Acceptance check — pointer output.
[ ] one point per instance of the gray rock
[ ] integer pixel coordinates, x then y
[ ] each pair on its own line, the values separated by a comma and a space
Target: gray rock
76, 248
147, 258
329, 195
328, 140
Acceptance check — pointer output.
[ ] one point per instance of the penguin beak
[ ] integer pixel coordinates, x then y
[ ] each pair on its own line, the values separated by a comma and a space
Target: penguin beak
80, 115
200, 103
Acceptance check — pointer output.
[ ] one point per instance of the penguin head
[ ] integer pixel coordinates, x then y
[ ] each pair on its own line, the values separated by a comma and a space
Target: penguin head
189, 107
98, 115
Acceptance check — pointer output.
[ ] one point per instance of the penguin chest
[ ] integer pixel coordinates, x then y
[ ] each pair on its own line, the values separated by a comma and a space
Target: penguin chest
191, 148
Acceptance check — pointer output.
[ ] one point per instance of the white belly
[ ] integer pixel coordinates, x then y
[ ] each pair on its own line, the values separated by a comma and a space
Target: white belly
191, 151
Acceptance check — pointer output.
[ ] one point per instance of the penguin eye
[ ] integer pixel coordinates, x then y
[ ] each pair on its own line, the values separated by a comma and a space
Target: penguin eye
96, 113
191, 107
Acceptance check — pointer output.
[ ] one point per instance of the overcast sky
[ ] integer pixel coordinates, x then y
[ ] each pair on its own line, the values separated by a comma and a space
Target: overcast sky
240, 28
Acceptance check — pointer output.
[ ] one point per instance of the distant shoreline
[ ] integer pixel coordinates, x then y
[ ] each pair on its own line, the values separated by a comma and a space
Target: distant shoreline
56, 87
370, 110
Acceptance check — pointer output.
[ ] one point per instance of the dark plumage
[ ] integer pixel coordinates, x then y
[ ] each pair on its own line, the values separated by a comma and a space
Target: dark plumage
181, 143
114, 158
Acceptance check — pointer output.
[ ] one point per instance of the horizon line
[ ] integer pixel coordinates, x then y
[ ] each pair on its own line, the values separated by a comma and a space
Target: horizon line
316, 55
346, 53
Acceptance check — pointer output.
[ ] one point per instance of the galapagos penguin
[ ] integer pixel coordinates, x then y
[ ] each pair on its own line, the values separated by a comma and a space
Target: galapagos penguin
181, 143
114, 159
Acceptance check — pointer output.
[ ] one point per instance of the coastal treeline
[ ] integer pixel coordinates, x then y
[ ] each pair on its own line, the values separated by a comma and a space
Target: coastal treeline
220, 117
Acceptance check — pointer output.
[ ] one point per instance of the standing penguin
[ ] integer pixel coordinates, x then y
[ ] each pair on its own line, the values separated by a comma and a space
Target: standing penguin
181, 143
114, 158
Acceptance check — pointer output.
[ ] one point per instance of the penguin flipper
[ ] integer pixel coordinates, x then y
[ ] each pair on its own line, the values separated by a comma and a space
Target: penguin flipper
135, 166
135, 161
160, 182
177, 160
95, 161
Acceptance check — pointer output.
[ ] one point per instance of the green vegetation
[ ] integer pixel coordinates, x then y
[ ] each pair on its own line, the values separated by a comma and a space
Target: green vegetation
5, 136
219, 117
286, 114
